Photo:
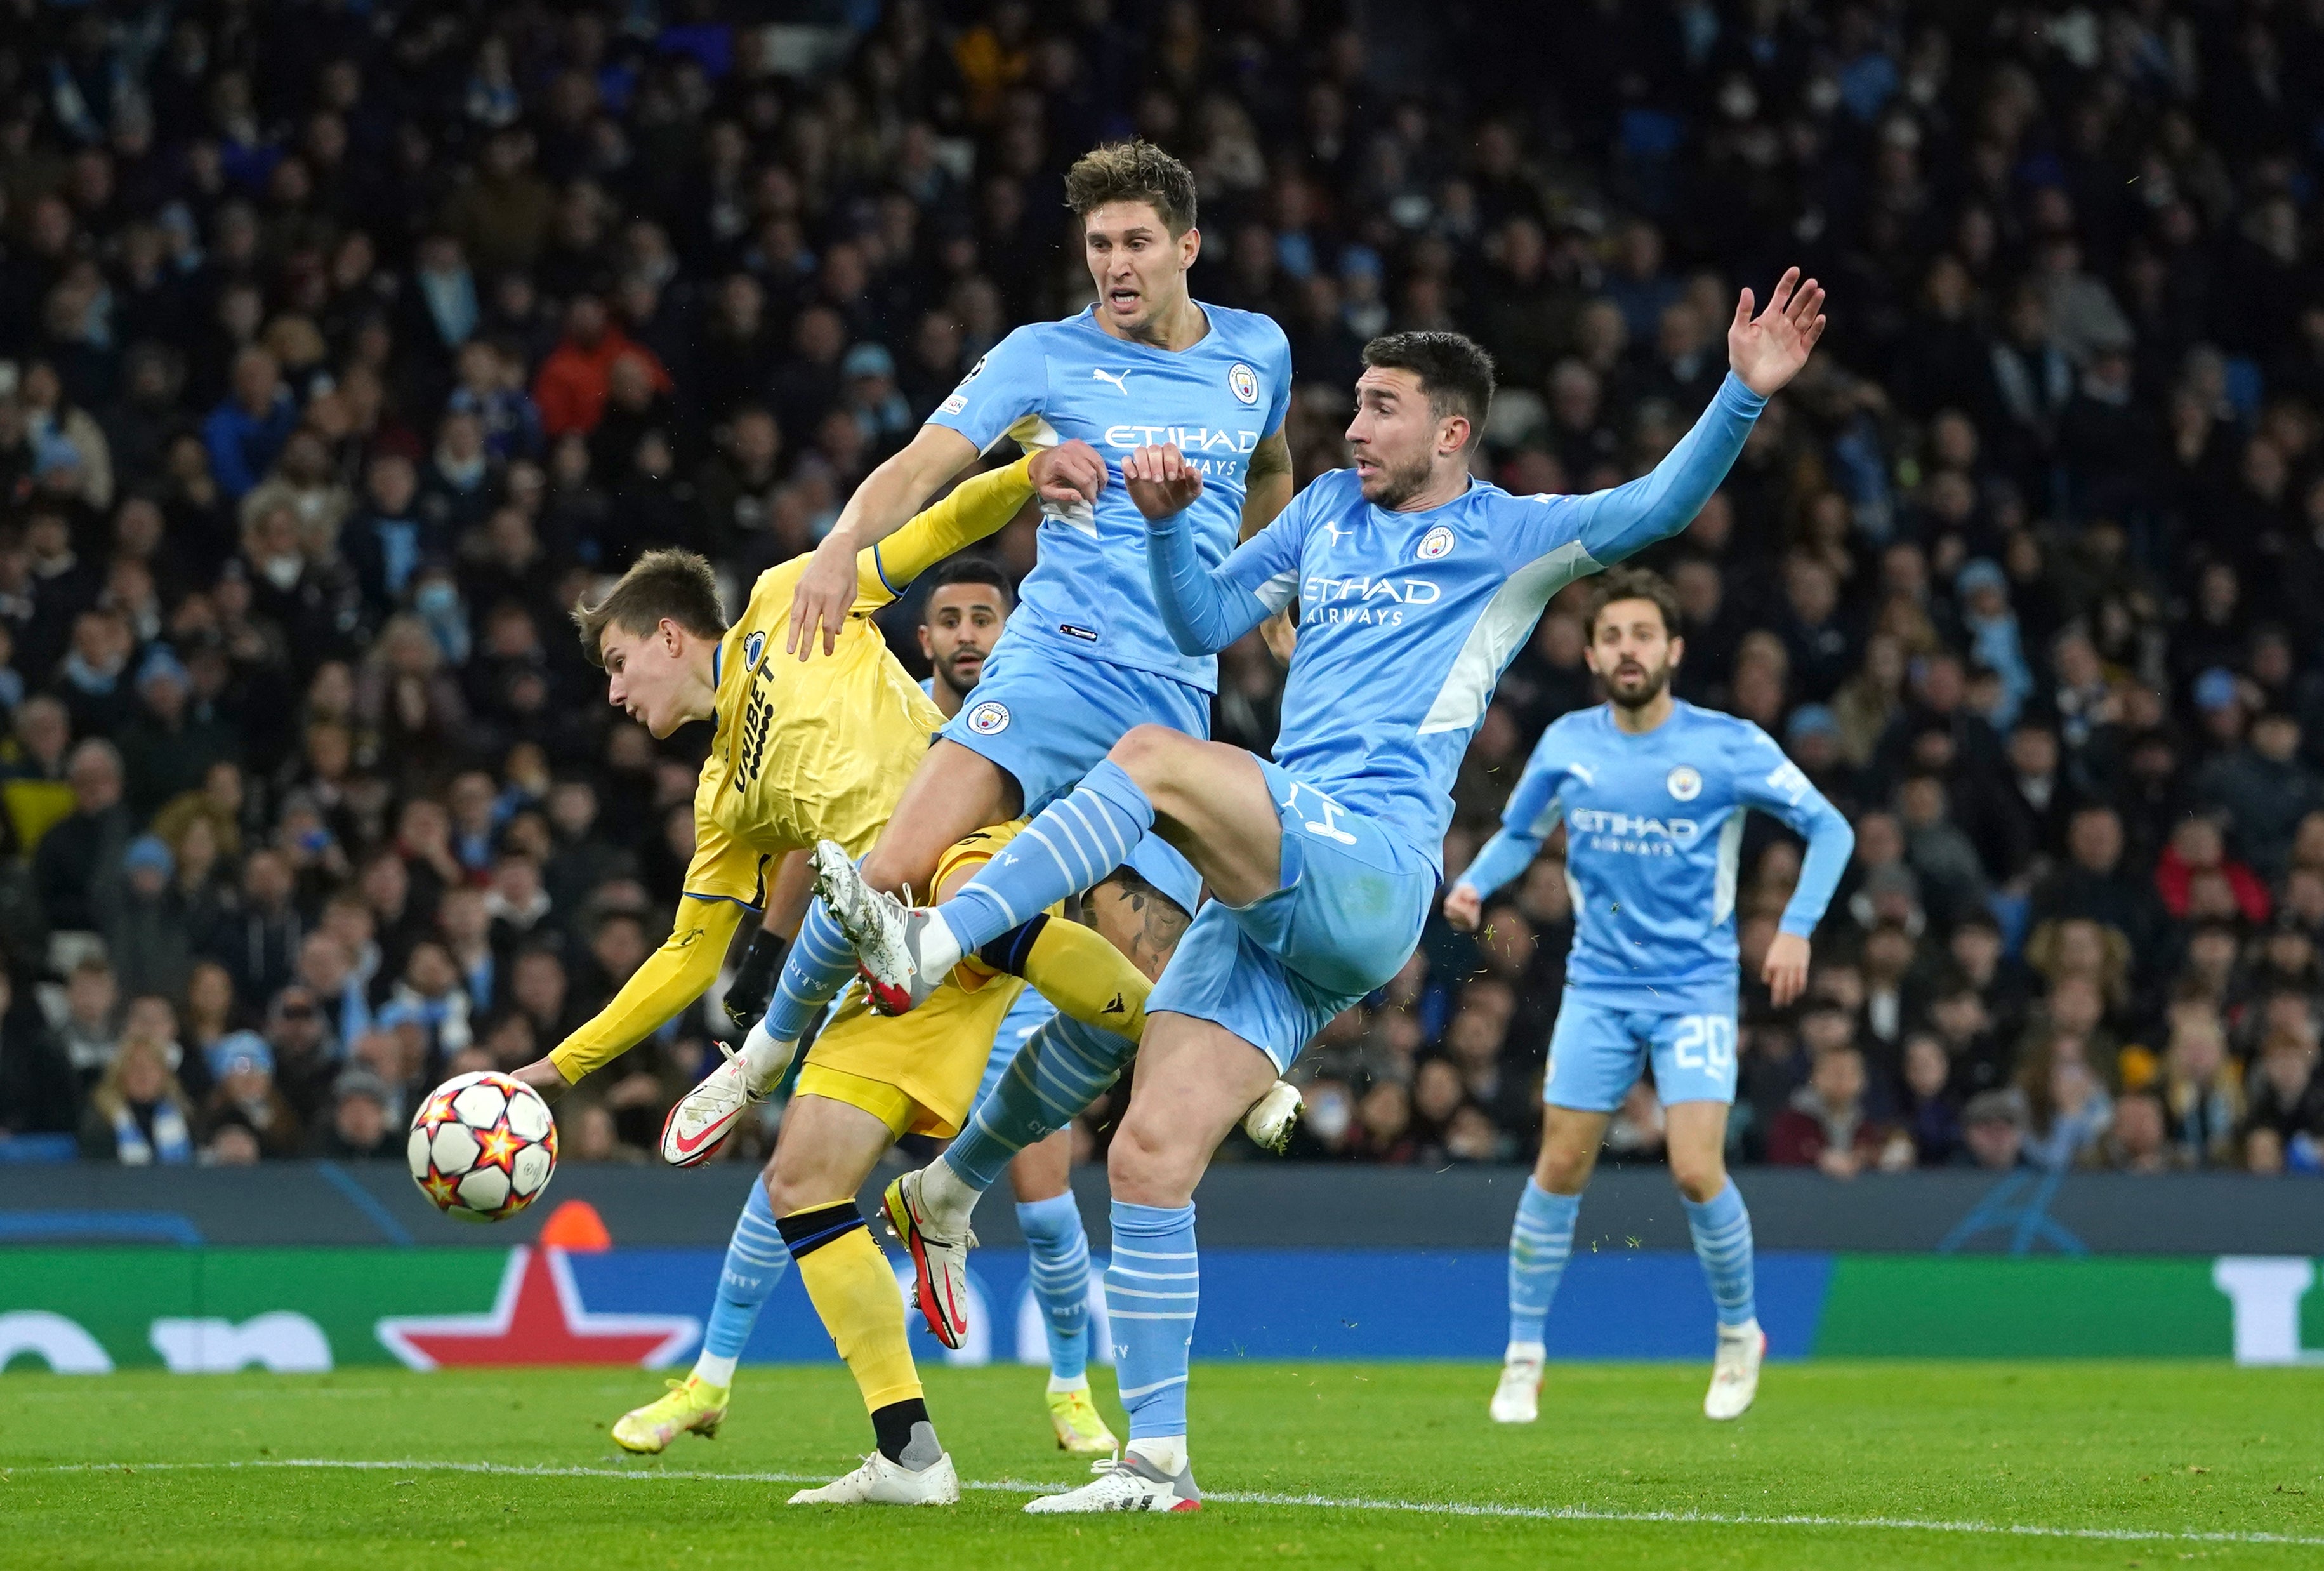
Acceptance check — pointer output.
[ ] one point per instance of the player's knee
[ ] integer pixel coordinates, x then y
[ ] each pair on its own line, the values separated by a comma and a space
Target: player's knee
1561, 1169
1141, 1166
1699, 1175
890, 868
1144, 751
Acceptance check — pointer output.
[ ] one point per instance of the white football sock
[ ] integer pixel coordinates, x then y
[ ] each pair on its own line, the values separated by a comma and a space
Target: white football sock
765, 1059
946, 1199
711, 1369
1059, 1384
1167, 1452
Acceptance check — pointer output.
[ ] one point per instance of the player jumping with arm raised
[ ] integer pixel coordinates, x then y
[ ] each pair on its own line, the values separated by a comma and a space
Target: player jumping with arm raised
1415, 585
1086, 656
1653, 793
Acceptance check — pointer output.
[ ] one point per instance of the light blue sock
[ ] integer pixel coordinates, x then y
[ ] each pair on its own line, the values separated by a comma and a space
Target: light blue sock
1070, 847
1061, 1270
756, 1261
1722, 1241
1059, 1070
814, 970
1152, 1285
1540, 1240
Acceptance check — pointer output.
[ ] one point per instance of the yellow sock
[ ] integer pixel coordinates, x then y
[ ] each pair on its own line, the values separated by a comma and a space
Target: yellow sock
1074, 968
855, 1290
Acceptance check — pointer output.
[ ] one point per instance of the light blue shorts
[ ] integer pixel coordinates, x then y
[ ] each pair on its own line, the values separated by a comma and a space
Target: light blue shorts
1050, 718
1601, 1045
1345, 920
1029, 1014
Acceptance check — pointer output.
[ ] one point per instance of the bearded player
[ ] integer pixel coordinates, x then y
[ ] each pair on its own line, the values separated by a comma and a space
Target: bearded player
1652, 792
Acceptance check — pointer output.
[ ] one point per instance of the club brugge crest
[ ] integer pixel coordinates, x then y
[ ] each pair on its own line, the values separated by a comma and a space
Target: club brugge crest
1242, 381
753, 648
1437, 542
1684, 783
987, 718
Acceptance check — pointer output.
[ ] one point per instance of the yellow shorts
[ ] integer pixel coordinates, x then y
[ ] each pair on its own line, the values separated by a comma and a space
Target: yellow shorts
918, 1073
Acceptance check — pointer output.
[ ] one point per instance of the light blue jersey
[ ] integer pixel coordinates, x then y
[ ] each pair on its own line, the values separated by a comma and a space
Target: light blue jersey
1406, 621
1050, 383
1654, 829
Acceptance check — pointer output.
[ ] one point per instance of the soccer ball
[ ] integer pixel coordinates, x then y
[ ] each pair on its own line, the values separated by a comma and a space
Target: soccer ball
482, 1146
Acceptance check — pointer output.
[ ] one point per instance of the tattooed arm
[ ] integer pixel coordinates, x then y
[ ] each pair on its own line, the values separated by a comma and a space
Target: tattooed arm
1136, 918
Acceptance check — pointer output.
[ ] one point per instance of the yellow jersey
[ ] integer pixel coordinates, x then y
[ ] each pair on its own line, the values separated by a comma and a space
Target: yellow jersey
804, 751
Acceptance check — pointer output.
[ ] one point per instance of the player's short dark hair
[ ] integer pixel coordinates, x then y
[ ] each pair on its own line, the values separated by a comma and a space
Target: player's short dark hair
968, 570
1632, 583
665, 585
1454, 372
1132, 171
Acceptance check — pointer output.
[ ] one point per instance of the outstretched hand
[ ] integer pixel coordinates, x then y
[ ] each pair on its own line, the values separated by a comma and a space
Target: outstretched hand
1767, 350
1161, 482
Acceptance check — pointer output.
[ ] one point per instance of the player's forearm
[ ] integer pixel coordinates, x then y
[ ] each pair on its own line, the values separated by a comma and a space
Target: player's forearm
672, 977
1625, 520
1499, 862
892, 493
1202, 610
1267, 486
977, 507
1830, 843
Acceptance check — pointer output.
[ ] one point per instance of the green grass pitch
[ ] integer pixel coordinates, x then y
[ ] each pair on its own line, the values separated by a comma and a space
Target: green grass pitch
1875, 1466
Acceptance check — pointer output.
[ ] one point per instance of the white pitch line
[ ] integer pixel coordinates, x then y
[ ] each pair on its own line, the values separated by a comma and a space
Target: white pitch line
1562, 1513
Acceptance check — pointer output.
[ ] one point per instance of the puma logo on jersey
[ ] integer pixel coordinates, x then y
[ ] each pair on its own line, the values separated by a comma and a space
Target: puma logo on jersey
1337, 533
1118, 380
1583, 773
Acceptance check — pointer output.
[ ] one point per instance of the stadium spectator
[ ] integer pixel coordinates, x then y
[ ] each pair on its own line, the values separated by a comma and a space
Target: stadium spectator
1826, 1125
361, 1123
383, 339
40, 1093
138, 1116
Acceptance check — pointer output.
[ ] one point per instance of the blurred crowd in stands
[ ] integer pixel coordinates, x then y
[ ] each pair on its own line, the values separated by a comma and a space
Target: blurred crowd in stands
343, 344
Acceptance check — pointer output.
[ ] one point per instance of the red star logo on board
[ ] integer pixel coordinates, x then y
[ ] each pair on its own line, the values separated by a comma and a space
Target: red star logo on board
537, 1317
496, 1149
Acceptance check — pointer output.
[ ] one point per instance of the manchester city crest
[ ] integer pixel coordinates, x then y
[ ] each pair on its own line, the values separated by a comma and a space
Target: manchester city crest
1243, 383
1684, 783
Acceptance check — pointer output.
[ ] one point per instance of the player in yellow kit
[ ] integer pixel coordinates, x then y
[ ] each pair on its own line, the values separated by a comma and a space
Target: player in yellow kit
803, 752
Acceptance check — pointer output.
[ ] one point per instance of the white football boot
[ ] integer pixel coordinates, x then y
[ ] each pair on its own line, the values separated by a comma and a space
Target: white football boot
1273, 1117
1735, 1372
879, 1481
701, 1120
1518, 1399
1131, 1484
904, 952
